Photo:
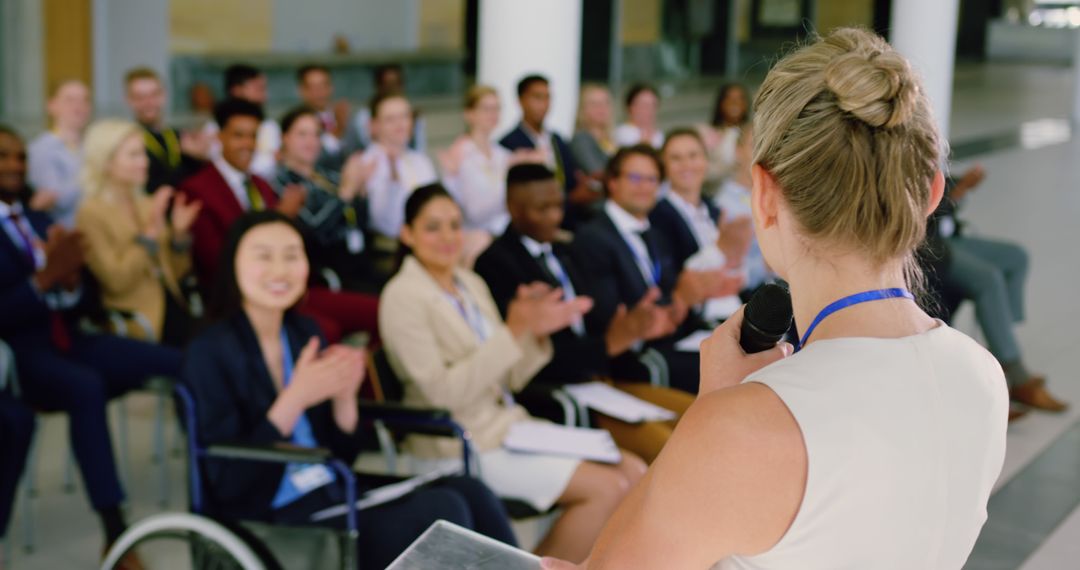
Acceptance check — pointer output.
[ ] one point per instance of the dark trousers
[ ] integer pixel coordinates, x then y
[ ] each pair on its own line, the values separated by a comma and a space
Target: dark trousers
80, 382
386, 530
16, 429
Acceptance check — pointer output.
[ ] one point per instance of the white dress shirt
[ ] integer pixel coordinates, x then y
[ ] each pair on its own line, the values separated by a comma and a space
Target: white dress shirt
387, 196
480, 187
630, 228
697, 219
543, 251
235, 179
627, 134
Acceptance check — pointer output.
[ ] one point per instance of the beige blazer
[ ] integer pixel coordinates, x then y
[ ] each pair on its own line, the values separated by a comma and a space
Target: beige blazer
130, 278
443, 364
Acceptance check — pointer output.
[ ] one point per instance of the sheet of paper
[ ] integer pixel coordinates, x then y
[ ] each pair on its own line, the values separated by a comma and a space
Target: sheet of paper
617, 404
447, 545
386, 493
553, 439
722, 308
692, 342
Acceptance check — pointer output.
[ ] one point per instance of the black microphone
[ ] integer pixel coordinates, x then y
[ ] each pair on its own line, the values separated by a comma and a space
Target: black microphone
766, 319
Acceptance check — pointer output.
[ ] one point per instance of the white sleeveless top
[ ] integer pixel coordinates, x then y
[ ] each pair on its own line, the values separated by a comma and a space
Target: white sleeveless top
904, 438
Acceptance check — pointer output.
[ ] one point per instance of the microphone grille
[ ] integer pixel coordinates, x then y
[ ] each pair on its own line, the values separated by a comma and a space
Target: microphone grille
769, 309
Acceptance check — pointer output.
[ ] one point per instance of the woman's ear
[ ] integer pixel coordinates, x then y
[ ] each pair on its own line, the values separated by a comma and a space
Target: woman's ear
937, 192
764, 197
406, 235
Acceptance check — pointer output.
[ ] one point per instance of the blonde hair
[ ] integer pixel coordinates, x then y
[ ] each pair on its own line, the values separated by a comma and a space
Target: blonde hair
478, 92
845, 128
103, 138
579, 121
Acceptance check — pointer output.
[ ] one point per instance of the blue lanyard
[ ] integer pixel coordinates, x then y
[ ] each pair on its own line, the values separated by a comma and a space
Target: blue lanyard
857, 298
286, 359
474, 318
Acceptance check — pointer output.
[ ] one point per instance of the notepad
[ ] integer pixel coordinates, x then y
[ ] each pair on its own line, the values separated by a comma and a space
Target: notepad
386, 493
447, 545
553, 439
618, 404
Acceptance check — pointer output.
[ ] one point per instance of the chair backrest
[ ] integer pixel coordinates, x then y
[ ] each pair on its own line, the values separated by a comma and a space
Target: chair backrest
389, 387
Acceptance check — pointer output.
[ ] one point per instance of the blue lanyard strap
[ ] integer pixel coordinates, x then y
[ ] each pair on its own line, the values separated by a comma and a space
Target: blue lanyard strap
286, 358
857, 298
649, 257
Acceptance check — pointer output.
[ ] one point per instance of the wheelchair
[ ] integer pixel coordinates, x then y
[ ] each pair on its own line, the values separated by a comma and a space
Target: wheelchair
207, 540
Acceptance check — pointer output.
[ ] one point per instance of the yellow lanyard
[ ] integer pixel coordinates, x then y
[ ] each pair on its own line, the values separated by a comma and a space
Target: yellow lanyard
257, 204
350, 211
170, 153
560, 173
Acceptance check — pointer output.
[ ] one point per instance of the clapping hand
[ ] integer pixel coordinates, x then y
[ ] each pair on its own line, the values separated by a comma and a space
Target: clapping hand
735, 238
335, 373
541, 310
292, 199
184, 214
354, 176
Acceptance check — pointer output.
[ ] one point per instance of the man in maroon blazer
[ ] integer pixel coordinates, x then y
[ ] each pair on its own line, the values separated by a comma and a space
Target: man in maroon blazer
227, 190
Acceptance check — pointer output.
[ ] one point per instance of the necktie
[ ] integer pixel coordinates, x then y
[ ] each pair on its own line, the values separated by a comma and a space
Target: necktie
27, 242
59, 332
254, 197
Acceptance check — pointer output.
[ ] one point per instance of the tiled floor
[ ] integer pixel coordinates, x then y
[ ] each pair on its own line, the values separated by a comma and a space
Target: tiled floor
1031, 196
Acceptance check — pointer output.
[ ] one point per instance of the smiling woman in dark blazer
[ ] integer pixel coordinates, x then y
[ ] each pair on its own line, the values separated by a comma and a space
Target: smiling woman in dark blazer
248, 390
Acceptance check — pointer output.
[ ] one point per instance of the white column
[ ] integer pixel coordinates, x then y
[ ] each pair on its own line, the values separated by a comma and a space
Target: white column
924, 31
127, 34
1076, 77
22, 97
522, 37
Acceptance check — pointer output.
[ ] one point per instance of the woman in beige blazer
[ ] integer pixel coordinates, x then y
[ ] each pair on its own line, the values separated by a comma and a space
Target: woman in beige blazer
136, 252
445, 339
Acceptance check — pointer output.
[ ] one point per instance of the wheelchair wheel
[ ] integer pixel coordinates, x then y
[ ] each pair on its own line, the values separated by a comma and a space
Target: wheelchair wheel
187, 541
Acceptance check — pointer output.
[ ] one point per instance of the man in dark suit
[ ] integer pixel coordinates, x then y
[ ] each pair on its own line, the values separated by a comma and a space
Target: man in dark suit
534, 96
529, 251
174, 155
59, 367
16, 431
627, 258
227, 189
687, 219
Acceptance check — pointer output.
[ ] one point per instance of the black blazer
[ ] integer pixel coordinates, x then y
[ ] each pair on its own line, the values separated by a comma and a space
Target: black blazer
613, 275
24, 315
518, 138
160, 171
233, 390
667, 220
505, 265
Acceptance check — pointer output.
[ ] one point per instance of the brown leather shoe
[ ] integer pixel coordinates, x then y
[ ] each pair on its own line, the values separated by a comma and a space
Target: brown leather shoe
130, 561
1015, 414
1033, 393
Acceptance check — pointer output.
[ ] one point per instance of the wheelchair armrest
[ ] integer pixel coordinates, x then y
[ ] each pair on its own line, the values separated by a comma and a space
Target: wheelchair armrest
276, 453
426, 421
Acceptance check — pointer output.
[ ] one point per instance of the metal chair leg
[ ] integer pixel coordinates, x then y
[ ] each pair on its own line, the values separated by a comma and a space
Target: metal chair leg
125, 460
159, 451
29, 493
69, 471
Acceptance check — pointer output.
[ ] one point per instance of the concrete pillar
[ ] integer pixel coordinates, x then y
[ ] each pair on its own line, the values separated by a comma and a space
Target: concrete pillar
521, 37
127, 34
924, 31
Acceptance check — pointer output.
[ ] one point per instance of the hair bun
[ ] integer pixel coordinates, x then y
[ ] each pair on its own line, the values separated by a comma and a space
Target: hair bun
876, 87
